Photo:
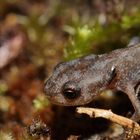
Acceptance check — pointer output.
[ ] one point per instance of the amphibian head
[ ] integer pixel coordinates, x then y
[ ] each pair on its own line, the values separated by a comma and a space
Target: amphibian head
77, 82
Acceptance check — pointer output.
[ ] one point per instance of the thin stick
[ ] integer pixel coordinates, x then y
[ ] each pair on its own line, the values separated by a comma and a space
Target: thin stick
108, 114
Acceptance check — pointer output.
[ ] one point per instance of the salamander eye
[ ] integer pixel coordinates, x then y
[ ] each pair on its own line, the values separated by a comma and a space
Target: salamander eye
70, 91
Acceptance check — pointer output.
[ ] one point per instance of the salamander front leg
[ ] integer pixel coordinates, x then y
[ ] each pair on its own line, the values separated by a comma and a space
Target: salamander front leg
135, 102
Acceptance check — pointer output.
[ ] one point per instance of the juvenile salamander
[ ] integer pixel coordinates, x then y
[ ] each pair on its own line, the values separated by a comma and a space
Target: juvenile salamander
78, 81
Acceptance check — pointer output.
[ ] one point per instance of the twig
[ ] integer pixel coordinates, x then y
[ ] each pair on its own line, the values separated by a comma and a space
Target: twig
108, 114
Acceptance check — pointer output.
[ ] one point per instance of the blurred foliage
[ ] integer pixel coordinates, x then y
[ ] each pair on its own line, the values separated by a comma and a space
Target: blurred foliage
3, 88
6, 136
84, 38
80, 43
40, 102
55, 30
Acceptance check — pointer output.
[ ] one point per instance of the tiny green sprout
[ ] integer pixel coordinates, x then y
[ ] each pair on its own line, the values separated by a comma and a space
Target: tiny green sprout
84, 32
3, 88
40, 102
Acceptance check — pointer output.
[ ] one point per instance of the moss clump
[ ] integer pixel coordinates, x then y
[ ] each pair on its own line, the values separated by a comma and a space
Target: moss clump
110, 35
40, 102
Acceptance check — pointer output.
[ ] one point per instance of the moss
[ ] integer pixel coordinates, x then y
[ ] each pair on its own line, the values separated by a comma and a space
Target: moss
40, 102
3, 88
83, 39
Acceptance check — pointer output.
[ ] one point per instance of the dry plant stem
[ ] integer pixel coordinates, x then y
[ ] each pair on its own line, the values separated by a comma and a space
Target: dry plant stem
107, 114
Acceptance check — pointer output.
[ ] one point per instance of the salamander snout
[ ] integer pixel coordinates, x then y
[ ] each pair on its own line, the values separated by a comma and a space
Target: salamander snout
48, 88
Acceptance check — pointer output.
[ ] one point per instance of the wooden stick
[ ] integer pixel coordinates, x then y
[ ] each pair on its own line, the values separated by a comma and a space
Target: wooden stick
108, 114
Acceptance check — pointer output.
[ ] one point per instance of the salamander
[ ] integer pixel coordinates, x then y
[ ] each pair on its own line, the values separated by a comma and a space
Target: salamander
79, 81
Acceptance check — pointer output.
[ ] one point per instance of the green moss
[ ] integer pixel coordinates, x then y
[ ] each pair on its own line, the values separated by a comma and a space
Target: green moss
3, 88
81, 42
40, 102
130, 21
86, 38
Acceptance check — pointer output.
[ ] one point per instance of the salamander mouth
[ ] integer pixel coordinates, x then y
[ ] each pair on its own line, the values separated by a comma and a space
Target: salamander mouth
67, 105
